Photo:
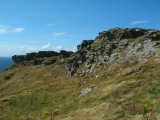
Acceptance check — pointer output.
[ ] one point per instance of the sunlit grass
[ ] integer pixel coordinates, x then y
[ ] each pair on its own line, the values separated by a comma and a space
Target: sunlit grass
44, 92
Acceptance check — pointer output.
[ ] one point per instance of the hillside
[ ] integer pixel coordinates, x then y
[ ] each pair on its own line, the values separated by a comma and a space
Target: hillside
114, 77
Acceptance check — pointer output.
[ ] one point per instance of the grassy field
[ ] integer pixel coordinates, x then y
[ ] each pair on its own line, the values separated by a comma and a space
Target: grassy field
44, 93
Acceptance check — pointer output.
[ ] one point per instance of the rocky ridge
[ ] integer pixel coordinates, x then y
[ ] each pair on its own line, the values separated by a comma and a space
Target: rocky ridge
111, 47
42, 57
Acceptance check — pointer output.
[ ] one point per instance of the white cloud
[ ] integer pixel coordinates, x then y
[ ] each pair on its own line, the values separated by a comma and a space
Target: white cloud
58, 33
46, 46
17, 30
9, 29
58, 48
10, 49
49, 25
3, 30
138, 22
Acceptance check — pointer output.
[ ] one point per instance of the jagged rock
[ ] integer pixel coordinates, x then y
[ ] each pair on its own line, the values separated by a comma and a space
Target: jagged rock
118, 33
30, 56
149, 47
42, 54
109, 47
33, 56
85, 44
114, 46
18, 58
65, 54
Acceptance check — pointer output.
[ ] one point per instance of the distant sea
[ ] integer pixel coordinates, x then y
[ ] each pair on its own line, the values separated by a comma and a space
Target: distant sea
5, 62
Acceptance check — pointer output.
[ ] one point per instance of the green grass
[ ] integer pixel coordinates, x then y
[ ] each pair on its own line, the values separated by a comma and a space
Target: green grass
45, 94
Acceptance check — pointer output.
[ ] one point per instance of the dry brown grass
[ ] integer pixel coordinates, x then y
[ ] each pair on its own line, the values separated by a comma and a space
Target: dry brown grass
44, 92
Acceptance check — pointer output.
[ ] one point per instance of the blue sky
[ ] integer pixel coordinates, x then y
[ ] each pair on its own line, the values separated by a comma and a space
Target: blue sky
34, 25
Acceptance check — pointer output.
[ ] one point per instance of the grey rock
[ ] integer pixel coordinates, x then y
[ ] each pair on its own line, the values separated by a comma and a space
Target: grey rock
85, 44
148, 48
112, 47
65, 54
33, 56
85, 91
136, 69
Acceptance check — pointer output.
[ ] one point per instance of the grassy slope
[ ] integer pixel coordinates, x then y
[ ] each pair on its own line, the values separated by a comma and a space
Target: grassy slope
44, 93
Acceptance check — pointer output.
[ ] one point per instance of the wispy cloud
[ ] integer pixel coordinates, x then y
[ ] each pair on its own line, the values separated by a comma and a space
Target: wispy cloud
46, 46
9, 29
18, 30
10, 49
58, 48
138, 22
3, 30
49, 25
58, 33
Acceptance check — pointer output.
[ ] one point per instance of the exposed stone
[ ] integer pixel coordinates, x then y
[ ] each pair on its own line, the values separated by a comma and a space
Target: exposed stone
18, 58
136, 69
112, 47
65, 54
85, 44
87, 90
49, 61
34, 56
149, 48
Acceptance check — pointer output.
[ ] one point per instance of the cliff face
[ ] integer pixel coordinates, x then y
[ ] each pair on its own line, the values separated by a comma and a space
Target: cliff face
109, 47
113, 47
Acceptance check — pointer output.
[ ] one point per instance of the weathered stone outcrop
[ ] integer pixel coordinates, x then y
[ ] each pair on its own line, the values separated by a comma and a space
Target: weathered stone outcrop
110, 47
114, 46
42, 57
33, 56
78, 58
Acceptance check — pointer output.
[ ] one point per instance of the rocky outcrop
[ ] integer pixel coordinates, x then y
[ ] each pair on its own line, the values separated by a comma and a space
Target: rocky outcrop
113, 46
110, 47
33, 56
78, 58
42, 57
